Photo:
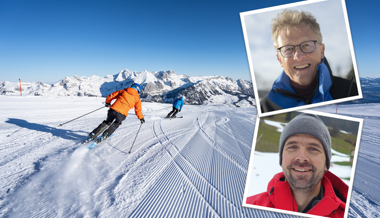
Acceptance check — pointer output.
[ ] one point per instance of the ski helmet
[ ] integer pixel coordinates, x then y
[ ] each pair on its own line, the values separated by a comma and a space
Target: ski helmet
136, 86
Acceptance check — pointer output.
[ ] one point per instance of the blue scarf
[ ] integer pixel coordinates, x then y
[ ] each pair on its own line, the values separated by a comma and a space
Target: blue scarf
283, 82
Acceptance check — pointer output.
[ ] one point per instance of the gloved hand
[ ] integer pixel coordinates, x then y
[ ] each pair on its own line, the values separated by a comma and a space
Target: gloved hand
179, 111
108, 104
142, 120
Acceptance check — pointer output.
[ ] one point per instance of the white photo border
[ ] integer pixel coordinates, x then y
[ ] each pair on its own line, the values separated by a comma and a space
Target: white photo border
250, 165
246, 41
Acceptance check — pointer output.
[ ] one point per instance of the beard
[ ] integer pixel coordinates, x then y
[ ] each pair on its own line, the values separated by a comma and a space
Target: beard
303, 183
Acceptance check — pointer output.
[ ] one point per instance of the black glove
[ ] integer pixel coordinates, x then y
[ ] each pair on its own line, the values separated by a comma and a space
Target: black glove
108, 104
179, 111
142, 120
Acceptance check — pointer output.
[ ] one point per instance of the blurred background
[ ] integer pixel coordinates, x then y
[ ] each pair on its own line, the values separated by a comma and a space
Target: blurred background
343, 132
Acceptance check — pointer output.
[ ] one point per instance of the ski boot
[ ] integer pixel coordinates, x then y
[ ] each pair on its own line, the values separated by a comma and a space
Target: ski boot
96, 132
108, 132
90, 137
102, 138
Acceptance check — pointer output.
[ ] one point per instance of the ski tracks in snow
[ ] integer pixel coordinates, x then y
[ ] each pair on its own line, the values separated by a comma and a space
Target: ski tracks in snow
201, 175
190, 167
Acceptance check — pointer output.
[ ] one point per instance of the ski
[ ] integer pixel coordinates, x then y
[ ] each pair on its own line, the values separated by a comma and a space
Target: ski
92, 145
88, 140
94, 141
173, 117
98, 141
92, 136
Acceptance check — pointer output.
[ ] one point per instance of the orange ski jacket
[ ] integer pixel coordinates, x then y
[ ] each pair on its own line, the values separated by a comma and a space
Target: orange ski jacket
125, 100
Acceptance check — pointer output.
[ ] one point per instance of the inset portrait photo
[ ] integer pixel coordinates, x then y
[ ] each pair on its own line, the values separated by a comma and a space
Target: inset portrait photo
303, 163
300, 55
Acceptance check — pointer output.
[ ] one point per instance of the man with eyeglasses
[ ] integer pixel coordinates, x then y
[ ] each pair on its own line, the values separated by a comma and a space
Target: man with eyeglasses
307, 77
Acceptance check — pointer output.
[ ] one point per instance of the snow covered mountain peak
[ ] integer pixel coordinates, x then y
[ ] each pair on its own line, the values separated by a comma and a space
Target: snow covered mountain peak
158, 86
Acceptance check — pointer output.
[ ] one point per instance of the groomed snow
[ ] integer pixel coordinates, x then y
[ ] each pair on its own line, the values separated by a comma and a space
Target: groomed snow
194, 166
365, 201
190, 167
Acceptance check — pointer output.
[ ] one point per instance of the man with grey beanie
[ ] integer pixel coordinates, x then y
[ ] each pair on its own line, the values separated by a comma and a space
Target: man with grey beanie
305, 185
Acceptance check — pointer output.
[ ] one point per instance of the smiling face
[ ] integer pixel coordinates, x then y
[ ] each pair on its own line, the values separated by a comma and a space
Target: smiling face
303, 162
301, 67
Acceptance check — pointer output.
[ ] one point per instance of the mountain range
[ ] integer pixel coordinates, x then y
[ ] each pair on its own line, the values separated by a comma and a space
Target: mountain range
370, 89
161, 86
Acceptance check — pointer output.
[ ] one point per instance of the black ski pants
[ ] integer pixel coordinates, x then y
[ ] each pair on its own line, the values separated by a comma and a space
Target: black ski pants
173, 112
111, 116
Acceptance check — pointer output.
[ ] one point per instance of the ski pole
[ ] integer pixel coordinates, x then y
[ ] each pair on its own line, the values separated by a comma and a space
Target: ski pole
135, 138
79, 117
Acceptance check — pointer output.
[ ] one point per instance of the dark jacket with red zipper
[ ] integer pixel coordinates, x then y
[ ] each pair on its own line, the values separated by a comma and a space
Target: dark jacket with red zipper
279, 196
329, 87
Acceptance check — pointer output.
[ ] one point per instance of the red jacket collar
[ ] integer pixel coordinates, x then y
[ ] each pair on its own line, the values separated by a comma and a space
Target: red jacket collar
282, 198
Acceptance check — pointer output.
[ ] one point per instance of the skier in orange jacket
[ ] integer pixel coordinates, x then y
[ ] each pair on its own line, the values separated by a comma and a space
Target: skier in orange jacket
125, 100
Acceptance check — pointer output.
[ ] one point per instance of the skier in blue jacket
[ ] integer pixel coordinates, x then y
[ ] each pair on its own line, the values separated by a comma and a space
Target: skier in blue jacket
177, 107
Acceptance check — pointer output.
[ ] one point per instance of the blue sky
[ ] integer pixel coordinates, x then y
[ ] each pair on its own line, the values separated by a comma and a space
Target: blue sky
46, 41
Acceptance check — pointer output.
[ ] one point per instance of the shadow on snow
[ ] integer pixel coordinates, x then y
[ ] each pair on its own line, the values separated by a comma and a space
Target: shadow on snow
62, 133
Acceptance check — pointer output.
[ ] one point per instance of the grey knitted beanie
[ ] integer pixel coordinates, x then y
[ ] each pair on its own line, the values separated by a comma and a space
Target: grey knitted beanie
311, 125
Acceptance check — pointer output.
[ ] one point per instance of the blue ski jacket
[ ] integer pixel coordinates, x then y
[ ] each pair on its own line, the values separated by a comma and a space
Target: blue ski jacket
330, 87
178, 103
282, 86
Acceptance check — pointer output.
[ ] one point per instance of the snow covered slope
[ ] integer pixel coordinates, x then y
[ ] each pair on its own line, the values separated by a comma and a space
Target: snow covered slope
162, 86
190, 167
365, 201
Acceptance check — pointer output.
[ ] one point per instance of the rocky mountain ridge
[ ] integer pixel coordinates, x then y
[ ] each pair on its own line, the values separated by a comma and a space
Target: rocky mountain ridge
161, 86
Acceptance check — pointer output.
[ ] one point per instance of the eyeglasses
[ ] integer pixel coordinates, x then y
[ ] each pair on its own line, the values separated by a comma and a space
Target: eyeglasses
288, 51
